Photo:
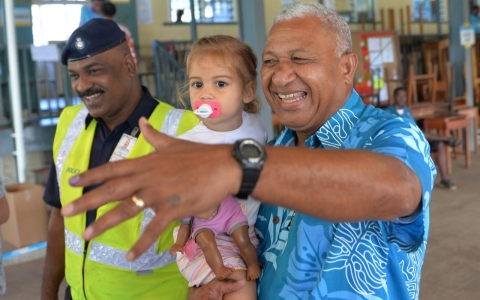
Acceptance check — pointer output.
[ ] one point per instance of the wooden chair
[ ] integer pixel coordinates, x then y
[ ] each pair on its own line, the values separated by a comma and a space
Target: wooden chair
427, 83
444, 125
472, 114
456, 102
475, 51
437, 53
460, 106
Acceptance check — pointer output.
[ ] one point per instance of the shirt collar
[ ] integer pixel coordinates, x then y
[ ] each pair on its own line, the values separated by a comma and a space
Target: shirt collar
144, 108
334, 131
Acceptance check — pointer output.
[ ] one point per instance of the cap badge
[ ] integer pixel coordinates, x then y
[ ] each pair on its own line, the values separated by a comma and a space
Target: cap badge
79, 44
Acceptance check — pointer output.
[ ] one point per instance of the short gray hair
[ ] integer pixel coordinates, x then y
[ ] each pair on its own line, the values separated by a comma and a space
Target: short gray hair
330, 20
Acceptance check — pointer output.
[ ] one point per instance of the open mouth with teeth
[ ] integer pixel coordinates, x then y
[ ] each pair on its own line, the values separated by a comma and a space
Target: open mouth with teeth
294, 97
91, 96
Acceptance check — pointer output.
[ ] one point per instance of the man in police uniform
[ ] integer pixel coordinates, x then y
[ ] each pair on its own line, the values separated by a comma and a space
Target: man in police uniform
105, 128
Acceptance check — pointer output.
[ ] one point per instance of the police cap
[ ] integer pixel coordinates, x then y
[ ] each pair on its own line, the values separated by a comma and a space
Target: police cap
92, 38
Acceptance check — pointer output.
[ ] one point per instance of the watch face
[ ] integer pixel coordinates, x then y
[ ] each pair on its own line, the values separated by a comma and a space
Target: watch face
250, 151
250, 154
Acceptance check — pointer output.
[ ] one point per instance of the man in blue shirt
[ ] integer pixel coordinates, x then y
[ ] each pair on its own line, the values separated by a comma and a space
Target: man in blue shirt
345, 193
437, 143
94, 11
475, 19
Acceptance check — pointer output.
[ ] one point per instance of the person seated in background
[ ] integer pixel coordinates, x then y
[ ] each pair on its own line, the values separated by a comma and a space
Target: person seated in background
437, 142
4, 214
91, 12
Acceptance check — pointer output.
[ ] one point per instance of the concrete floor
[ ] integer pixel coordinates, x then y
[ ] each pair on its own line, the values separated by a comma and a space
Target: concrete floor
452, 264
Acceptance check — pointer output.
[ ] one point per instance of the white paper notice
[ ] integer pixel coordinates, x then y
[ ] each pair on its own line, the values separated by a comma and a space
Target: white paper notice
381, 50
373, 44
144, 11
387, 50
44, 53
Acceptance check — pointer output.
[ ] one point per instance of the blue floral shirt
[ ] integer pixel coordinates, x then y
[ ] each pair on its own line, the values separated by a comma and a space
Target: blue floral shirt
315, 259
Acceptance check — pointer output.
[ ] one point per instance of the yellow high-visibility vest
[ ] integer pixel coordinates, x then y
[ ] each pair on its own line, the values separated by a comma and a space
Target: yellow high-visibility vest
101, 271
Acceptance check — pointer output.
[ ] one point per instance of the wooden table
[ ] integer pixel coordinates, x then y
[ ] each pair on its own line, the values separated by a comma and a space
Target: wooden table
446, 124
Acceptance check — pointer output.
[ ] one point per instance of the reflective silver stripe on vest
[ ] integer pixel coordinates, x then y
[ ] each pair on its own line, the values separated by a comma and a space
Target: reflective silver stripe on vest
73, 242
72, 134
115, 257
172, 121
103, 253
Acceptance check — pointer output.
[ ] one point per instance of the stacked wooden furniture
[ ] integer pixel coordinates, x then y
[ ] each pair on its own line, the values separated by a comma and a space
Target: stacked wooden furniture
421, 98
435, 54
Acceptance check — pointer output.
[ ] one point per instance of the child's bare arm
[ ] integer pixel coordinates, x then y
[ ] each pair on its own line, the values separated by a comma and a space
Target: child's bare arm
182, 238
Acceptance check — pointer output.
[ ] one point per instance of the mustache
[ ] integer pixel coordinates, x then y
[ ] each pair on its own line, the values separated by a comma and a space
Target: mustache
90, 92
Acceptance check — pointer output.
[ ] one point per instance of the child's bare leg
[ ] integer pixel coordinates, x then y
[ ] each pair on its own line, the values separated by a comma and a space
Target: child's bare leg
206, 241
248, 252
247, 292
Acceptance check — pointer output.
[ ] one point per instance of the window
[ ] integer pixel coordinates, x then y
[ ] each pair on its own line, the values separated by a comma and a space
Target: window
353, 11
429, 10
54, 20
206, 11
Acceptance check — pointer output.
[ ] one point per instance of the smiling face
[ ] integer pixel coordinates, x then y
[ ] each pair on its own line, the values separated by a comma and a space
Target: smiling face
106, 84
211, 82
303, 80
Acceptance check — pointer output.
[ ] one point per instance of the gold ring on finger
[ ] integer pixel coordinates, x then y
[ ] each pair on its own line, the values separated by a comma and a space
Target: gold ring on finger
138, 201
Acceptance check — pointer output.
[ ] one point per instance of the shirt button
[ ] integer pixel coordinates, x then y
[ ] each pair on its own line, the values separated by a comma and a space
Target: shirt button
276, 220
262, 265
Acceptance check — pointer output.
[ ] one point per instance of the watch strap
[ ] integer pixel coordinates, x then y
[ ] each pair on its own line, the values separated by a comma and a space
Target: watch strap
249, 181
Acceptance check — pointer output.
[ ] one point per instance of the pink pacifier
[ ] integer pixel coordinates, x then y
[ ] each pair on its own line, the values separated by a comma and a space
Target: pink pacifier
204, 109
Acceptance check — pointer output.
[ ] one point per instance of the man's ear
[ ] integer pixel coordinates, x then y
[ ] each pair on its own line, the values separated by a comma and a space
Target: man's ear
348, 64
250, 91
130, 64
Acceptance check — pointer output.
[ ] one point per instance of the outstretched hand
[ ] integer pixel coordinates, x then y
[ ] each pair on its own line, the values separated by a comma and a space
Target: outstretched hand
179, 179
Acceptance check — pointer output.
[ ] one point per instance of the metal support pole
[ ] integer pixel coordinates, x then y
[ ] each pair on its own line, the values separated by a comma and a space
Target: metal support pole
468, 61
439, 21
193, 23
15, 95
469, 76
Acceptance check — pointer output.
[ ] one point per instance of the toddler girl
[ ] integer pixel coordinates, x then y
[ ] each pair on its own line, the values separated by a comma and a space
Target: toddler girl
222, 84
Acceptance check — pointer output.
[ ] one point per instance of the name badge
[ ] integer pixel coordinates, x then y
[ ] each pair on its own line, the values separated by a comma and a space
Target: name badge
123, 147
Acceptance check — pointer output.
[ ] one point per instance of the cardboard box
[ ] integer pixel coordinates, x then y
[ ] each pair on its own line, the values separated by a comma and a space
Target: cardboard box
28, 215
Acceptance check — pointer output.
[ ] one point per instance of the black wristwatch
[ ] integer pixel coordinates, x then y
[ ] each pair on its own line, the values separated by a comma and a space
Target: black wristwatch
251, 156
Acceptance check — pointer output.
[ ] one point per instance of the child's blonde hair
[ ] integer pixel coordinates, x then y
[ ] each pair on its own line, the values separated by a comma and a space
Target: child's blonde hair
231, 53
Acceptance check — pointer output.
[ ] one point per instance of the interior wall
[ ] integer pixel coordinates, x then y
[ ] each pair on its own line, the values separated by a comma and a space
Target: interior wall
161, 28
